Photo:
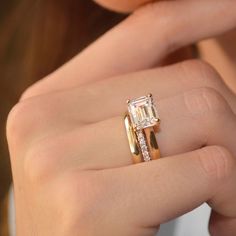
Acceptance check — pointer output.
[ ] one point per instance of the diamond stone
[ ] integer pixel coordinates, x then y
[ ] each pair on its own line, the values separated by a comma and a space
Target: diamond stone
143, 112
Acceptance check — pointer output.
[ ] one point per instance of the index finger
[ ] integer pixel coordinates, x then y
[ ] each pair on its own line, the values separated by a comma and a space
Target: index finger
142, 40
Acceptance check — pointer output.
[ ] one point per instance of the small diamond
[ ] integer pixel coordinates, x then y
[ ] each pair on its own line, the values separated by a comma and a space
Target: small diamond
147, 158
140, 137
144, 148
140, 134
145, 153
142, 143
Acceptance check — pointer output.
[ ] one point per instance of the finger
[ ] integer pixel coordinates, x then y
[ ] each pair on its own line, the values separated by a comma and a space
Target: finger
97, 102
152, 193
142, 40
221, 225
189, 121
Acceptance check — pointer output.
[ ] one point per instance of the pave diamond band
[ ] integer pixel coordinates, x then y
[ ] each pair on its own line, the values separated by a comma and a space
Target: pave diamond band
141, 123
143, 146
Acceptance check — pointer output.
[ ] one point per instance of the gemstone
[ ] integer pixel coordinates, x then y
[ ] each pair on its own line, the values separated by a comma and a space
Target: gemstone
142, 142
146, 157
145, 153
143, 112
144, 148
140, 135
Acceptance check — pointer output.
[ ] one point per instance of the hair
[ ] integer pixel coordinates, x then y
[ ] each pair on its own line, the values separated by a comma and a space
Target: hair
36, 37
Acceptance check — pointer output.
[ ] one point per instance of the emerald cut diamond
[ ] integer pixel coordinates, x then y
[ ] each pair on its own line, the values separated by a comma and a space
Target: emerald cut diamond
143, 112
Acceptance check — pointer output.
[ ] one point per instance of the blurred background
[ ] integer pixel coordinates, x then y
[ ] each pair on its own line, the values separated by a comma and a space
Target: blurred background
36, 37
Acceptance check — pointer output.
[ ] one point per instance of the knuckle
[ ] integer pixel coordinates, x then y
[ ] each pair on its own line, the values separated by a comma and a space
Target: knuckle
34, 90
11, 119
205, 100
203, 74
216, 162
26, 118
40, 162
211, 99
210, 77
30, 116
27, 93
206, 69
201, 66
16, 121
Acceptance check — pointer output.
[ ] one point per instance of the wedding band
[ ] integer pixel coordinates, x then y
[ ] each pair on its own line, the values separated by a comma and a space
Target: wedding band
133, 141
142, 122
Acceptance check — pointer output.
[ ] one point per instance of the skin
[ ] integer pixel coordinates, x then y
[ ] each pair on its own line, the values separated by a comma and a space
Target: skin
219, 52
122, 5
72, 169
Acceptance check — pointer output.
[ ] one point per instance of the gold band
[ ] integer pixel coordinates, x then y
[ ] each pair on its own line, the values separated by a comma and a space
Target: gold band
134, 143
152, 142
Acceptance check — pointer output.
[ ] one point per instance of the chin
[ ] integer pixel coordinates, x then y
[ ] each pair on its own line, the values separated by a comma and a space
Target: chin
123, 6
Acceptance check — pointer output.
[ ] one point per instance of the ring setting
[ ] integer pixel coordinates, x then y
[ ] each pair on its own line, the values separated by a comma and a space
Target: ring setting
142, 122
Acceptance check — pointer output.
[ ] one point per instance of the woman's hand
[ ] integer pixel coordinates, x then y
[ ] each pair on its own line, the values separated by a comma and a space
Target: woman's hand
72, 166
69, 151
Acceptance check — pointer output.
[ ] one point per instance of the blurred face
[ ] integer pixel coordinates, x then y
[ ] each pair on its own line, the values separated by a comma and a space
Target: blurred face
122, 5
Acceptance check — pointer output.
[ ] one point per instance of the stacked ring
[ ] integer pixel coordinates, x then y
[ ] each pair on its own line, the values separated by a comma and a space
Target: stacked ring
142, 122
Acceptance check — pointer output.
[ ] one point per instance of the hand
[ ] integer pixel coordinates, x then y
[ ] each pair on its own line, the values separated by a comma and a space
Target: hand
71, 163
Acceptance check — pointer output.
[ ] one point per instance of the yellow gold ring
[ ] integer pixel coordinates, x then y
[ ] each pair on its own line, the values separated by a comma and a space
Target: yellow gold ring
142, 122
